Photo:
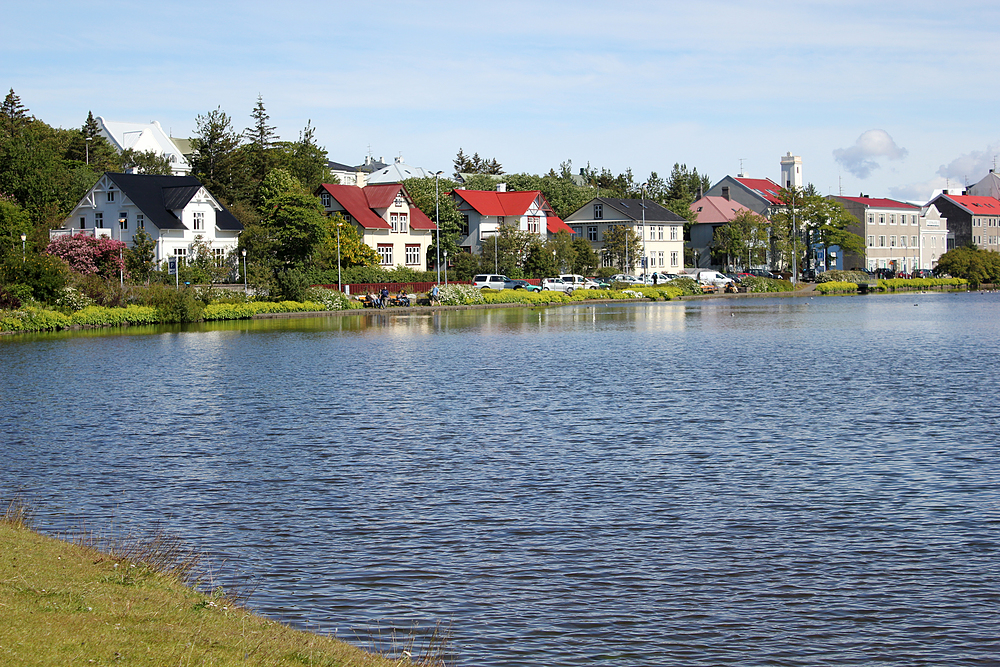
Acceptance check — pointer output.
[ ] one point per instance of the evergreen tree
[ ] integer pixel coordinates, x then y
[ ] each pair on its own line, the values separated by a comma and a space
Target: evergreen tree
216, 158
260, 140
14, 116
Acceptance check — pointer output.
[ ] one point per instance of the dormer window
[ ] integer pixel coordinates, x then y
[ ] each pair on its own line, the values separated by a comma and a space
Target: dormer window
399, 200
598, 211
325, 199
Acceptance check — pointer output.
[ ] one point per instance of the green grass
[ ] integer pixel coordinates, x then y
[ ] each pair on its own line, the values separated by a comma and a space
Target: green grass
65, 603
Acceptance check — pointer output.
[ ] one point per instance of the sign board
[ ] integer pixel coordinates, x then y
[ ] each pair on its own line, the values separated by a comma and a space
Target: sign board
171, 266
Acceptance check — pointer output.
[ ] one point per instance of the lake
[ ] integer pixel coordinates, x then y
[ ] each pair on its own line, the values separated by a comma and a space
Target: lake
743, 481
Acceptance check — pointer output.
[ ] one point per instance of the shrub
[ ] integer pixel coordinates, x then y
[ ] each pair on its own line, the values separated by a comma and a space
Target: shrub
175, 305
837, 275
460, 295
71, 300
33, 319
292, 284
759, 284
836, 286
330, 298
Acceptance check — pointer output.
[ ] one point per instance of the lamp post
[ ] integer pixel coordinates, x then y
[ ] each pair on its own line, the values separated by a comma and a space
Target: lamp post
121, 251
340, 287
24, 237
244, 251
795, 243
446, 267
643, 205
87, 144
437, 224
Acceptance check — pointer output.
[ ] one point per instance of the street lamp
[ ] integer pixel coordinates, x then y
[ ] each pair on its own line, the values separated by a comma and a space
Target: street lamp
244, 251
87, 144
437, 224
340, 287
446, 267
24, 237
121, 251
643, 204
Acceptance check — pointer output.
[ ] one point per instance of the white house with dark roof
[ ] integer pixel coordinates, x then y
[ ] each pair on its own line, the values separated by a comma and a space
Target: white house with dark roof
387, 219
175, 211
144, 137
661, 231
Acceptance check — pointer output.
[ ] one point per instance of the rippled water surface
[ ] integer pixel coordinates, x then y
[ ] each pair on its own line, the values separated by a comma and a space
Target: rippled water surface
743, 481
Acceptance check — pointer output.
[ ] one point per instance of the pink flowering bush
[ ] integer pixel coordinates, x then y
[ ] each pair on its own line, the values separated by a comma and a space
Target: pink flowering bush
88, 254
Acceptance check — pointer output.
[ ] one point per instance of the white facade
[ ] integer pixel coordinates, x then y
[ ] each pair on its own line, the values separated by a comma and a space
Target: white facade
108, 211
662, 239
933, 236
791, 171
143, 137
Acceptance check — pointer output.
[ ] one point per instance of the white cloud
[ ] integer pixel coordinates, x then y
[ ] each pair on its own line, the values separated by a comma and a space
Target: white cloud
860, 159
971, 167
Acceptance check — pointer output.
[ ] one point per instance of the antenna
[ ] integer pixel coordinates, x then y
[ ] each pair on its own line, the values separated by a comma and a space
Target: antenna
741, 164
840, 183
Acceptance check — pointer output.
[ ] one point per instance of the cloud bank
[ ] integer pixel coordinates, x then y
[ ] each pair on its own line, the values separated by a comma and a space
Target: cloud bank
971, 167
860, 159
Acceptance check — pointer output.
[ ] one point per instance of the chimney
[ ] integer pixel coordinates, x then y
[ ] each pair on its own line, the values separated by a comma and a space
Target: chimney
725, 192
501, 187
700, 192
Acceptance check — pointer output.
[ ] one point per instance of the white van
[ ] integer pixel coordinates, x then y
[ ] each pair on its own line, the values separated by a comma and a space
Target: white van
710, 277
578, 281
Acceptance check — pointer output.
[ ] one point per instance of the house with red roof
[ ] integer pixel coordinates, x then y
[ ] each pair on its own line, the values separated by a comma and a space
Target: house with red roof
972, 219
484, 211
387, 219
712, 213
898, 235
760, 195
661, 231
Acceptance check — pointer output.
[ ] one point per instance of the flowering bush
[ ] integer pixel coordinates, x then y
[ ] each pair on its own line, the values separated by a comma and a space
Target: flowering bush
460, 295
89, 254
330, 298
71, 299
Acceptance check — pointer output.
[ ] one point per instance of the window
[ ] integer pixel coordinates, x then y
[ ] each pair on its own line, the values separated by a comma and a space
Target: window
325, 199
83, 222
673, 233
871, 241
99, 220
933, 241
123, 220
913, 241
871, 218
412, 254
394, 221
533, 223
892, 218
892, 241
398, 201
180, 254
881, 218
902, 241
385, 254
140, 221
199, 221
606, 260
598, 211
219, 255
592, 233
501, 220
642, 232
111, 195
673, 258
660, 234
881, 241
465, 225
663, 258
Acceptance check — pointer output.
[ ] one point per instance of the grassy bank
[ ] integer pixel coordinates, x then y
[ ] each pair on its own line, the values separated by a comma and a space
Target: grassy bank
70, 604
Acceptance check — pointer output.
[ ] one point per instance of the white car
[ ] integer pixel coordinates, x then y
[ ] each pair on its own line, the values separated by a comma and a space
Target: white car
489, 280
578, 281
625, 278
557, 284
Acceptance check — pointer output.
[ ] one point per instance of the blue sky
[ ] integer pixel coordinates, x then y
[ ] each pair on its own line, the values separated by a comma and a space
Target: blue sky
889, 99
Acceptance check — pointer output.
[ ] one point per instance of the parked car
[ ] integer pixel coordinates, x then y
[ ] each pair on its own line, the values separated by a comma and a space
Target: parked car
556, 284
714, 278
761, 273
578, 281
600, 283
513, 283
809, 275
489, 280
923, 273
625, 278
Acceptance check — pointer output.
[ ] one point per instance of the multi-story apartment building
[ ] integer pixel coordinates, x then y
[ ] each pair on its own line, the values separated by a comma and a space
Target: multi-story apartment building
896, 234
972, 220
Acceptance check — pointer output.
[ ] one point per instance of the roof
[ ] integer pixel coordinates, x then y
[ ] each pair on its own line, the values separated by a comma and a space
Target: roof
491, 202
876, 202
144, 137
716, 210
362, 202
638, 209
159, 196
554, 225
397, 172
764, 187
976, 205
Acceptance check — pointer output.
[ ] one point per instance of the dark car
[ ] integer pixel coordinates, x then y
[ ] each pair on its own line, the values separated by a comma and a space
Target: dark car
760, 273
885, 274
809, 275
512, 283
923, 273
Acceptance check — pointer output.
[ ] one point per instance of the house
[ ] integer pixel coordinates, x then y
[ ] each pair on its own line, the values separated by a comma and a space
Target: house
760, 195
358, 175
712, 212
175, 211
387, 219
484, 211
397, 172
972, 219
989, 186
662, 231
894, 234
143, 137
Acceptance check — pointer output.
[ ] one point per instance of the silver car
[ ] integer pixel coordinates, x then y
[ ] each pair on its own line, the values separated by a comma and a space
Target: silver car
557, 284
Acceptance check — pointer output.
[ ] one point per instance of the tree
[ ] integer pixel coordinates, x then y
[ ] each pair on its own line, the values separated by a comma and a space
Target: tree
624, 247
89, 254
260, 140
292, 220
139, 259
682, 189
14, 221
145, 162
422, 192
739, 239
585, 260
508, 250
306, 160
974, 264
475, 165
14, 116
216, 157
807, 214
342, 239
565, 253
540, 262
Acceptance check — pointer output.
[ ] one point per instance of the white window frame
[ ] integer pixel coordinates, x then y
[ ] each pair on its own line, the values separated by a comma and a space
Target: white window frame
385, 254
412, 254
198, 222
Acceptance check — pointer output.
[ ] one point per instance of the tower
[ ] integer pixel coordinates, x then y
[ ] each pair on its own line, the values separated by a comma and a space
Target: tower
791, 171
